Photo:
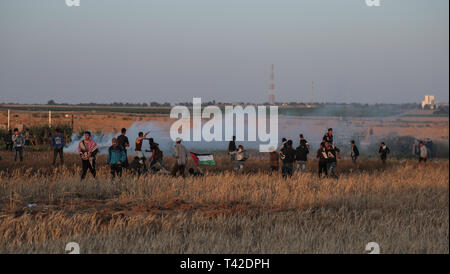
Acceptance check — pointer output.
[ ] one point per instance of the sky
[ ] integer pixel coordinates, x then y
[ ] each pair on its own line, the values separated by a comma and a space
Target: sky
173, 50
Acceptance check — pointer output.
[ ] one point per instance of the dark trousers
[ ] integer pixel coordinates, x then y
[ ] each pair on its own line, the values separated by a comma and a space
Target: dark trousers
116, 170
354, 159
323, 169
57, 151
177, 167
286, 169
383, 159
18, 150
9, 146
421, 159
85, 165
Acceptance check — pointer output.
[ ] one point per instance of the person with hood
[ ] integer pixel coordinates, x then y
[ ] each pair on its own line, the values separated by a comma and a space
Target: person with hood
423, 152
116, 158
180, 154
58, 143
355, 152
383, 152
323, 159
287, 154
18, 144
8, 140
157, 155
301, 155
333, 155
87, 149
123, 141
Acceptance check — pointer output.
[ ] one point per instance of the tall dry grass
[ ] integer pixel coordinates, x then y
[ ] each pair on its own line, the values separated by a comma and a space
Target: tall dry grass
403, 207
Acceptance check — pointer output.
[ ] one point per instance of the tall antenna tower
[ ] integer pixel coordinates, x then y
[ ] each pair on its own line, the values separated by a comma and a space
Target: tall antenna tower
272, 87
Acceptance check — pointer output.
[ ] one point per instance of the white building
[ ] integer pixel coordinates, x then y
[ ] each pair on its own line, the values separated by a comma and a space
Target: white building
429, 102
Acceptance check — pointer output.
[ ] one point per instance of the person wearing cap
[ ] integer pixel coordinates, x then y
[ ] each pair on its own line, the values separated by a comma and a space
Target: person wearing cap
180, 154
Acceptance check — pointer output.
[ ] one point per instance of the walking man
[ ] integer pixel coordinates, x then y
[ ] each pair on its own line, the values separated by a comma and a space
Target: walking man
355, 152
328, 137
423, 152
58, 143
122, 140
383, 152
116, 158
232, 148
301, 155
18, 144
333, 155
180, 154
8, 140
287, 154
88, 150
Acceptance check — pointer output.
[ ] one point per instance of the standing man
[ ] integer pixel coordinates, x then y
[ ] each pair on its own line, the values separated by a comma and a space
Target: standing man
355, 152
328, 137
58, 143
301, 155
18, 144
88, 150
383, 152
122, 140
8, 140
323, 159
333, 155
139, 140
423, 152
287, 154
116, 158
232, 148
180, 154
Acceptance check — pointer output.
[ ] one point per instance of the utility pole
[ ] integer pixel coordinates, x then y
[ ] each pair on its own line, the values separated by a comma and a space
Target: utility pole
9, 118
50, 118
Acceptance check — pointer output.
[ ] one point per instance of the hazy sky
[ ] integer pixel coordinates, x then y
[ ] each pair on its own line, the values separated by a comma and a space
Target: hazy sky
173, 50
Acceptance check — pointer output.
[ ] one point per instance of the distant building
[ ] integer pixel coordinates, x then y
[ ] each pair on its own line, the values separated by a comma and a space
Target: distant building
429, 102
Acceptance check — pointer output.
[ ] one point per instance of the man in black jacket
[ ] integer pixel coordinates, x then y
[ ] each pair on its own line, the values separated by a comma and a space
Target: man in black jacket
232, 148
355, 152
301, 154
383, 152
287, 155
333, 155
328, 137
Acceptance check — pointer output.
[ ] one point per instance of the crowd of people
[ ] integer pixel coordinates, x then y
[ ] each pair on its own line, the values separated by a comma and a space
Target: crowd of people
293, 160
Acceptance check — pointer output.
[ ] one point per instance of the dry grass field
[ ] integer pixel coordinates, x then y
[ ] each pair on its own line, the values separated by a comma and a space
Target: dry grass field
403, 207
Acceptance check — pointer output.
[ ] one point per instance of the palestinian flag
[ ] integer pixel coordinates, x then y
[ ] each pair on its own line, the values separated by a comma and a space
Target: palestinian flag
203, 159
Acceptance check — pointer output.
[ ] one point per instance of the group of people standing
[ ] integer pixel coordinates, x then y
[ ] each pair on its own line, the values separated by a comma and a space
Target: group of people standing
118, 157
